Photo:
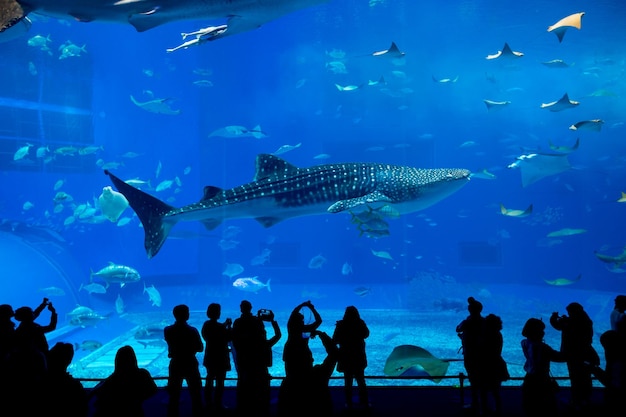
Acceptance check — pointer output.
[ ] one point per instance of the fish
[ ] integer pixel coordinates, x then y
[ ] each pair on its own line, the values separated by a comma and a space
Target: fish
119, 305
112, 204
22, 152
535, 167
392, 52
561, 104
143, 15
154, 296
381, 254
346, 269
565, 149
515, 212
86, 317
594, 125
483, 174
68, 49
251, 284
506, 52
618, 260
317, 262
566, 232
157, 105
403, 358
286, 148
281, 191
562, 281
52, 291
571, 21
93, 288
239, 132
556, 63
445, 80
496, 105
27, 206
114, 273
362, 291
88, 345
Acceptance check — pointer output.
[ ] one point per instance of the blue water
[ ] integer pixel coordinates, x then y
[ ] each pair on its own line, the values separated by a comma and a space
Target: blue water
279, 77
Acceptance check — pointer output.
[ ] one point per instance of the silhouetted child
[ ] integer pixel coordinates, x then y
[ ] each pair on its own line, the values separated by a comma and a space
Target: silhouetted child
350, 334
576, 344
7, 344
123, 393
63, 395
471, 331
494, 367
217, 337
183, 343
539, 390
321, 403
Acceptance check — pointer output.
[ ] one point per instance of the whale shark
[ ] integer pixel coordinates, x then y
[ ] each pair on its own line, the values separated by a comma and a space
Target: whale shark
242, 15
281, 190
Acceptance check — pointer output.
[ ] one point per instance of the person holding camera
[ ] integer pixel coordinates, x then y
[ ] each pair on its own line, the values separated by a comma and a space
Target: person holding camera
253, 355
217, 337
298, 359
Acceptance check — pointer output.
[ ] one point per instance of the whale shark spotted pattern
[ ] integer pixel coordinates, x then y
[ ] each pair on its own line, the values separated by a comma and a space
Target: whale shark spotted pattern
281, 190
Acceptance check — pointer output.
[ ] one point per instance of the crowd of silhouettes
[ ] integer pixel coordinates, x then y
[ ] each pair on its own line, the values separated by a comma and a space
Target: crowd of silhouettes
29, 367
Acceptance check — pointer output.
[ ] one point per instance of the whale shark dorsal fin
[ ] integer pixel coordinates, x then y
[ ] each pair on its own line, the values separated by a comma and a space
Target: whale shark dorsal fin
209, 192
267, 164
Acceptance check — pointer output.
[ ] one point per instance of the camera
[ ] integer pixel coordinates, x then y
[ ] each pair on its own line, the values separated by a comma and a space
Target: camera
265, 315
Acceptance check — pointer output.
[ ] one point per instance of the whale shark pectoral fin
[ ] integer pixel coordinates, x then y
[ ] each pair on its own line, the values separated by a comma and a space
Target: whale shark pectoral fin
148, 20
343, 205
211, 224
268, 221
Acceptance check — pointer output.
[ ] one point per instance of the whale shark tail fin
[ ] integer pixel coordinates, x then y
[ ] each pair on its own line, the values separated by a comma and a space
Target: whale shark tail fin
150, 211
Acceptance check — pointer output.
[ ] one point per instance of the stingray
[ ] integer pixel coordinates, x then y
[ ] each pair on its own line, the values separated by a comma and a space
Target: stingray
567, 231
537, 166
496, 105
559, 282
571, 21
392, 52
506, 52
516, 212
556, 63
158, 105
410, 360
561, 104
593, 125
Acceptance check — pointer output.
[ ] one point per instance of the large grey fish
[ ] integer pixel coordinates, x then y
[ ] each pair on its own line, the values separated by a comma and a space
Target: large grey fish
281, 190
242, 15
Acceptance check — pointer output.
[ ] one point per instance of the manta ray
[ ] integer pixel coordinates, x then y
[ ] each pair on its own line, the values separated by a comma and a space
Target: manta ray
561, 104
157, 105
506, 52
241, 15
571, 21
536, 166
281, 190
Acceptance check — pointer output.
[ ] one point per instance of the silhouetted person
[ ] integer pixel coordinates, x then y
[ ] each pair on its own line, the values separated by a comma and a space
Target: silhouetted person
30, 335
217, 337
576, 344
494, 370
298, 359
7, 344
7, 332
539, 390
253, 355
63, 395
183, 343
123, 393
619, 311
471, 331
613, 376
350, 334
